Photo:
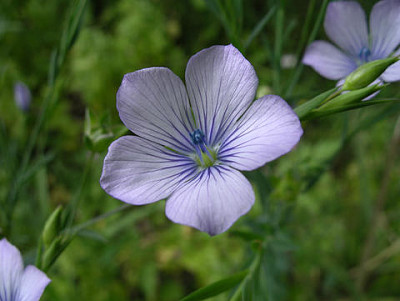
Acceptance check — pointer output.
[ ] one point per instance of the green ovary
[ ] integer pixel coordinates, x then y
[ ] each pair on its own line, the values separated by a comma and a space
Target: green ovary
207, 159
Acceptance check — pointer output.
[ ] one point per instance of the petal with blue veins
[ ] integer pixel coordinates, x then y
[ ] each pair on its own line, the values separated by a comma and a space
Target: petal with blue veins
138, 171
33, 283
11, 269
392, 74
346, 25
212, 201
221, 85
17, 284
268, 130
328, 61
385, 28
153, 104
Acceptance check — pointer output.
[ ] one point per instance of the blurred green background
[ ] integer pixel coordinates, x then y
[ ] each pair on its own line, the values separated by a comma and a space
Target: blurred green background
328, 212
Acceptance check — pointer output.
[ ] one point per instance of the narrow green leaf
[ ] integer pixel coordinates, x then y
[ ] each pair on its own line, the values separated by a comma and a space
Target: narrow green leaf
317, 24
373, 119
216, 288
278, 45
260, 26
35, 166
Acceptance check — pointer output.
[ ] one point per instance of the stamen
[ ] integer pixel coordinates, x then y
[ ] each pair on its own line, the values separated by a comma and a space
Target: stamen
205, 157
364, 54
197, 137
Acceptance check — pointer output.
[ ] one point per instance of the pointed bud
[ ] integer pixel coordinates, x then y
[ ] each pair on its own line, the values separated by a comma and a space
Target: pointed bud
367, 73
99, 136
351, 97
22, 96
52, 227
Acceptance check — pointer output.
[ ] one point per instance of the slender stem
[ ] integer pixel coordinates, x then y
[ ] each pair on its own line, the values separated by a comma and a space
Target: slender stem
80, 227
78, 195
278, 48
296, 75
372, 263
378, 208
333, 95
253, 267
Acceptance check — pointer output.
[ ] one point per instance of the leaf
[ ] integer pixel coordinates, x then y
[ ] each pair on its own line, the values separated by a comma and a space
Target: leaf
216, 288
93, 235
259, 26
35, 166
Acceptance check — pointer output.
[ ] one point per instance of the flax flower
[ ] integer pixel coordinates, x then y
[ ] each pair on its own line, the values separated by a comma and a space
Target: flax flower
345, 24
192, 141
17, 284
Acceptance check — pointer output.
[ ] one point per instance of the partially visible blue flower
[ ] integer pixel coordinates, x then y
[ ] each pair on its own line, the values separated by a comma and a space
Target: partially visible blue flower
192, 141
17, 283
22, 96
345, 24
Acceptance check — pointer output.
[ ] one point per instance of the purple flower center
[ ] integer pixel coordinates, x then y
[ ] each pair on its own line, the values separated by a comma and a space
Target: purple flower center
364, 55
205, 156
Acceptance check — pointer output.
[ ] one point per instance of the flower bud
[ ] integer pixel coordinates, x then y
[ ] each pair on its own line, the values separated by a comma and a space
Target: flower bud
351, 97
367, 73
52, 227
22, 96
99, 136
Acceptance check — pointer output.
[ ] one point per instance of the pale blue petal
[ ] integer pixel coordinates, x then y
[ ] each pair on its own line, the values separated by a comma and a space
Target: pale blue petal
221, 84
11, 269
385, 28
328, 61
33, 283
346, 25
153, 104
212, 201
268, 130
392, 74
138, 171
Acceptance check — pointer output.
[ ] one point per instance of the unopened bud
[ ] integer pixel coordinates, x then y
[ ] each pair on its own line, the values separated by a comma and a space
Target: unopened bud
367, 73
52, 227
351, 97
98, 136
22, 96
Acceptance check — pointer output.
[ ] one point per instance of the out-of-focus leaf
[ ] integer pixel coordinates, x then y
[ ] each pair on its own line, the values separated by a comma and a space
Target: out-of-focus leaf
94, 235
216, 288
260, 25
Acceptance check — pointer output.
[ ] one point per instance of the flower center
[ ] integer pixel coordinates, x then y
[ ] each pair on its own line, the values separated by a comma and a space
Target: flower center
205, 156
364, 55
197, 137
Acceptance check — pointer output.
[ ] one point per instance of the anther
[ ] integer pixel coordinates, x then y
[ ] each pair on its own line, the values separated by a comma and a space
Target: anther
197, 137
364, 54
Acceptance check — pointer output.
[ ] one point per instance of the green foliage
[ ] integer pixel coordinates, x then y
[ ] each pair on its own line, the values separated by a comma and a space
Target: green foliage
216, 288
305, 238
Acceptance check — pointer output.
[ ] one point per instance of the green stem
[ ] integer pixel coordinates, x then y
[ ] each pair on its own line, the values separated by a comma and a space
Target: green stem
76, 229
299, 69
253, 267
278, 48
78, 195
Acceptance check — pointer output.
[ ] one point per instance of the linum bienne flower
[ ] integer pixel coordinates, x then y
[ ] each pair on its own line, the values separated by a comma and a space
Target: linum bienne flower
345, 24
17, 284
192, 141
